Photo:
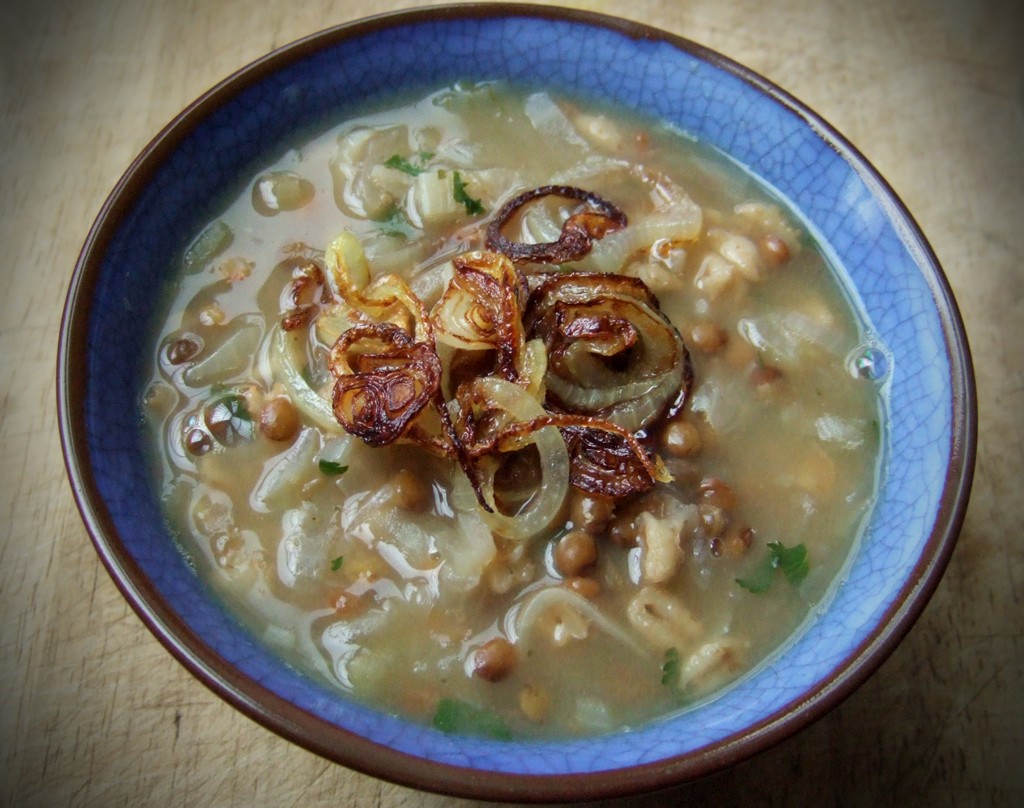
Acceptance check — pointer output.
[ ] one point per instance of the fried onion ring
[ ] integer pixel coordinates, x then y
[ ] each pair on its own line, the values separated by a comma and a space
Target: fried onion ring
612, 353
481, 309
384, 378
599, 218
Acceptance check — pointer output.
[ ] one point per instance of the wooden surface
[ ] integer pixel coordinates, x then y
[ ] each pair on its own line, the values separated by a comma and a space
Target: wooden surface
94, 712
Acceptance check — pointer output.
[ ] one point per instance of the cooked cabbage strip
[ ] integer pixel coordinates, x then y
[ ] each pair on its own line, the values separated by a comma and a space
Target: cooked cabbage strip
286, 361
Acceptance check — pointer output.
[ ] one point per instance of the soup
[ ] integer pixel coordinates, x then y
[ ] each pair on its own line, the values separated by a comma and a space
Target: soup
514, 415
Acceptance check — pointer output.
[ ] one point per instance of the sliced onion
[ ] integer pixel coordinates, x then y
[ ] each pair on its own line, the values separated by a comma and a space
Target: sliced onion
287, 359
482, 309
383, 380
513, 404
386, 298
611, 351
597, 218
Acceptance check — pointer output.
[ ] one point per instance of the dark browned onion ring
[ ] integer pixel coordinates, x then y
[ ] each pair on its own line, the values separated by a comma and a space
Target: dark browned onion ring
578, 231
500, 299
604, 458
612, 353
607, 461
378, 393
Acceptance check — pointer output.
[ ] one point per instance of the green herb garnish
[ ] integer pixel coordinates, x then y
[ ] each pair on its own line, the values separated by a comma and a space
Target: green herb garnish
455, 716
791, 561
473, 206
671, 667
336, 563
407, 166
394, 222
330, 468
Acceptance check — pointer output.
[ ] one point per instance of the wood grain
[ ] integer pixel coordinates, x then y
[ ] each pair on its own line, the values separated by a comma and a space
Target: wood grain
95, 713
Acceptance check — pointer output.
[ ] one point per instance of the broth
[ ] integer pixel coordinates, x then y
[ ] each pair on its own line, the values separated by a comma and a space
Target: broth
376, 568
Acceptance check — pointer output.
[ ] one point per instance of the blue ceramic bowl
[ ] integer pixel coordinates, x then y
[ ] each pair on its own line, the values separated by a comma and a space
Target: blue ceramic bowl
161, 202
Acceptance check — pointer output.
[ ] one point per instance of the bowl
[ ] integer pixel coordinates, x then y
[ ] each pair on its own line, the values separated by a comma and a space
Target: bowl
930, 432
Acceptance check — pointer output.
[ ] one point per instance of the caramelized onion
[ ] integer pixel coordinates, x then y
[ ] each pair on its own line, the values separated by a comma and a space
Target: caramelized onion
576, 370
612, 353
578, 231
604, 458
609, 462
495, 417
383, 379
386, 298
482, 309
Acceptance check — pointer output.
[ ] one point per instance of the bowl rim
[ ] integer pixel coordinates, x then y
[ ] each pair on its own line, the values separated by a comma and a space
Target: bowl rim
356, 752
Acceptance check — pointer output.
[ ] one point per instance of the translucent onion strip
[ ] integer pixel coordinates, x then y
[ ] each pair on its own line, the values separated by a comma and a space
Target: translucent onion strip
495, 397
287, 360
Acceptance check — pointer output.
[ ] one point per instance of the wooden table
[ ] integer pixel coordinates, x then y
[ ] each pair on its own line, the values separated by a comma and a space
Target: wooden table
94, 711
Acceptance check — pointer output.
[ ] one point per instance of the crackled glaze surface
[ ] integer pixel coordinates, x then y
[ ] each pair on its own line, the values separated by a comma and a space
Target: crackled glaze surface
853, 213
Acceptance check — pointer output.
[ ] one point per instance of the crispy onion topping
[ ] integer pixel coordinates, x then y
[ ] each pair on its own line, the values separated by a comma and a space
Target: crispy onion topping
597, 218
562, 381
383, 379
306, 292
612, 353
610, 461
497, 418
385, 298
604, 458
481, 309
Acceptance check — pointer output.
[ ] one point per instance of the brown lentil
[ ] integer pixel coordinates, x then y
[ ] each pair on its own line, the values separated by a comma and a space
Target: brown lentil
712, 518
775, 250
708, 337
411, 492
181, 350
715, 491
589, 588
575, 553
681, 438
623, 531
279, 420
764, 374
495, 659
198, 442
737, 542
590, 512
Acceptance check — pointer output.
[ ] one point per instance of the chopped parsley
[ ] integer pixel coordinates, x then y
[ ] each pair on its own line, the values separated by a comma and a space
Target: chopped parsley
406, 164
336, 563
671, 667
473, 206
455, 716
331, 469
394, 222
791, 561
